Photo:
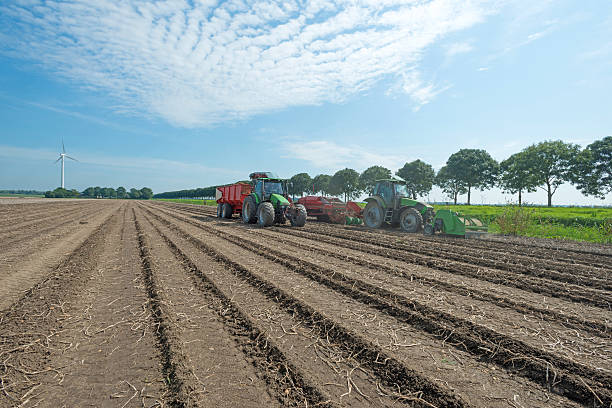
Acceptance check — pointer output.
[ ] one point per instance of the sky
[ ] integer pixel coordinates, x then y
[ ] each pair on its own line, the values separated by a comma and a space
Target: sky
181, 94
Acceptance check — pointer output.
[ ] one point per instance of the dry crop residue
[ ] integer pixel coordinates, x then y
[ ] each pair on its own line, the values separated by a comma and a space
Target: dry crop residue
130, 304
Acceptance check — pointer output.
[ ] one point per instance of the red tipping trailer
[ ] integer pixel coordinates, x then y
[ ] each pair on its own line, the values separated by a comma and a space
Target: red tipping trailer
230, 199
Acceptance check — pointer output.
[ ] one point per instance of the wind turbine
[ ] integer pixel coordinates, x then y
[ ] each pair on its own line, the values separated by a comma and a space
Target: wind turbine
61, 157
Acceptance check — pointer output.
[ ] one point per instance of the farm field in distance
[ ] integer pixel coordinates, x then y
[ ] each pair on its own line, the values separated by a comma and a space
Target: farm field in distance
149, 303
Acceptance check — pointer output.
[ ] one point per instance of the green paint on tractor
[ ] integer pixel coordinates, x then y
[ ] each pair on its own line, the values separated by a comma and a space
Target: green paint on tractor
278, 200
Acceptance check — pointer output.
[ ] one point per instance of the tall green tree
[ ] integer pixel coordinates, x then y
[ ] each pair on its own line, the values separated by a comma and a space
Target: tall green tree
134, 194
475, 168
299, 183
449, 183
368, 178
550, 164
592, 169
89, 192
515, 176
419, 177
146, 193
345, 182
321, 183
121, 192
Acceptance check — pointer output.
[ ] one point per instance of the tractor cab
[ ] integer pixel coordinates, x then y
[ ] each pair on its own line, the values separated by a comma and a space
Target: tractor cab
391, 191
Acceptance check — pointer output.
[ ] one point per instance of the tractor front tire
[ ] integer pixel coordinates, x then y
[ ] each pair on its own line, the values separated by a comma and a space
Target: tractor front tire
265, 214
428, 229
249, 210
373, 215
219, 207
411, 220
299, 217
227, 211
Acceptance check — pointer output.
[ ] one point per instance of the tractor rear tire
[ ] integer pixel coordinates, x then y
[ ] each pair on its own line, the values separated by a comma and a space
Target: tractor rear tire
227, 211
299, 218
411, 220
219, 207
249, 210
373, 215
265, 214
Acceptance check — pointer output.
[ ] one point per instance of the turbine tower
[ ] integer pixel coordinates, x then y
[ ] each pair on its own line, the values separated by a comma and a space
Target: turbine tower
61, 157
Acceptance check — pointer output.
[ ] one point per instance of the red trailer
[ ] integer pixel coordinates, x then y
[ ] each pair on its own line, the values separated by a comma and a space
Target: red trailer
230, 198
331, 209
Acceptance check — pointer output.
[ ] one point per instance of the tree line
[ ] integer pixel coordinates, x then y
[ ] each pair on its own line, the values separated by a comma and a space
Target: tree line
204, 192
144, 193
544, 165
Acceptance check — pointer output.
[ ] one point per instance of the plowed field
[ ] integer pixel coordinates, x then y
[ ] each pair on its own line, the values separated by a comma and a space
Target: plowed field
130, 304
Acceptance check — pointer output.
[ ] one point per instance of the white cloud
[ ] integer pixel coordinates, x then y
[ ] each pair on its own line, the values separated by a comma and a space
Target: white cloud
199, 63
329, 155
458, 48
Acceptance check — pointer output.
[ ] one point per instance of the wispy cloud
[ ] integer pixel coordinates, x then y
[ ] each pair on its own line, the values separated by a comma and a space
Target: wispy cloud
329, 155
122, 162
199, 63
458, 48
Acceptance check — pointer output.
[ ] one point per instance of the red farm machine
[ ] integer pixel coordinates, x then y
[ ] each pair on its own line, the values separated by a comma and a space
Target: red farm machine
390, 205
264, 200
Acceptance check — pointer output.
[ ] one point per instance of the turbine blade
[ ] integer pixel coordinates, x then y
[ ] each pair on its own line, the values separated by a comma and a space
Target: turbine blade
60, 158
63, 149
71, 158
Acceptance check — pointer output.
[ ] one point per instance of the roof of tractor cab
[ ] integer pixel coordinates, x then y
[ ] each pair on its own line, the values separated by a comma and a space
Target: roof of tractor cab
263, 175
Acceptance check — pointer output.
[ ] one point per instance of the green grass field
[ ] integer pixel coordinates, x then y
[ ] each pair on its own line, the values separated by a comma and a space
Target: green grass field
21, 195
575, 223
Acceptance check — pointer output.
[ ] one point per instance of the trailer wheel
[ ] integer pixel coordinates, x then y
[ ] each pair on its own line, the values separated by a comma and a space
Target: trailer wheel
373, 215
227, 211
299, 217
411, 220
249, 211
265, 214
219, 207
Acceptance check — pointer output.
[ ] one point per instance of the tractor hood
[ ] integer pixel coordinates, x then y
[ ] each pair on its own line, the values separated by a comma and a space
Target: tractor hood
412, 203
278, 200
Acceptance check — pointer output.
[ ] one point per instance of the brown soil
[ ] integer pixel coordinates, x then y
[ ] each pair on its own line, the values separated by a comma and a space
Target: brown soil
122, 303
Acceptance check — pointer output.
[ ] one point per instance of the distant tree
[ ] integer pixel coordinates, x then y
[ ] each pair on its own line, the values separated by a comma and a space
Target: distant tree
108, 192
345, 182
134, 194
449, 183
515, 176
62, 193
97, 191
321, 183
419, 177
121, 192
299, 183
550, 164
146, 193
368, 178
89, 192
475, 168
592, 169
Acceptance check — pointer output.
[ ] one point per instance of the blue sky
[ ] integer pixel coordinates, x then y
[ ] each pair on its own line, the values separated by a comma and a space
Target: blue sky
181, 94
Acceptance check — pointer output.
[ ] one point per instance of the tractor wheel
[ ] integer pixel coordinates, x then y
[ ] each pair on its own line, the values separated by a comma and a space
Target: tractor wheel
219, 206
227, 211
249, 210
265, 214
373, 215
411, 220
299, 218
428, 229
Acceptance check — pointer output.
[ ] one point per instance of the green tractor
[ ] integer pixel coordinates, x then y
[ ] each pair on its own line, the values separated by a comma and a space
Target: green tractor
390, 204
268, 203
